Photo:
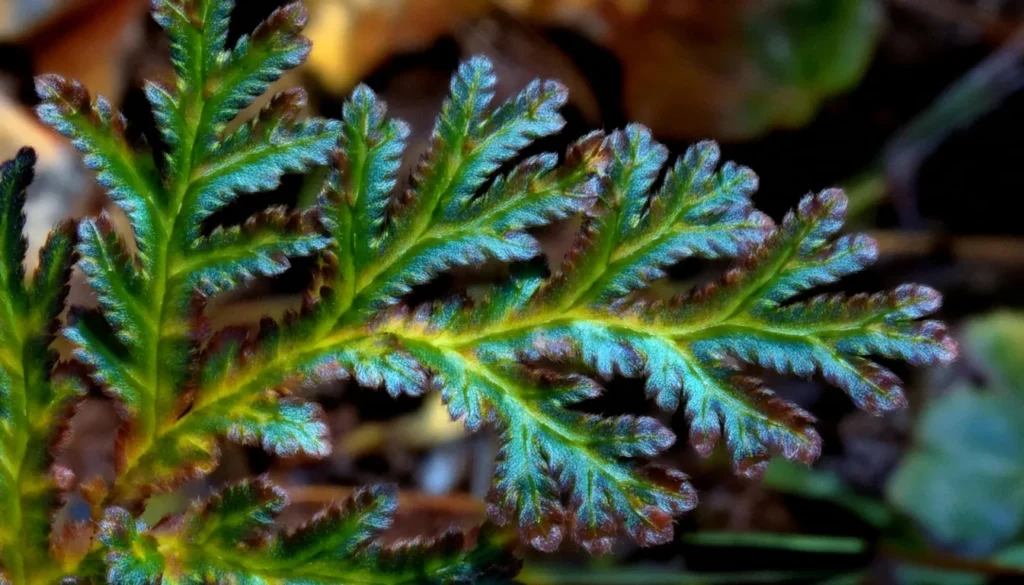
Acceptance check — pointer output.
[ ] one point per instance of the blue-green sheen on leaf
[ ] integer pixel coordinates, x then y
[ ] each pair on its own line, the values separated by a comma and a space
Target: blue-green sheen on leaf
244, 74
491, 227
361, 183
113, 275
261, 246
255, 166
36, 393
152, 294
429, 230
520, 356
198, 31
132, 556
563, 473
98, 130
700, 210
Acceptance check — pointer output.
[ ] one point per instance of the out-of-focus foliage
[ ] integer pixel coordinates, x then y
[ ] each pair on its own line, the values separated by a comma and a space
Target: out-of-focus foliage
728, 68
16, 16
962, 480
806, 51
958, 487
737, 69
351, 37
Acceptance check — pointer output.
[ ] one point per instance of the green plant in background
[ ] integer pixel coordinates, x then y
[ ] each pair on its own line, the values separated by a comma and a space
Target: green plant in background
806, 52
977, 433
516, 358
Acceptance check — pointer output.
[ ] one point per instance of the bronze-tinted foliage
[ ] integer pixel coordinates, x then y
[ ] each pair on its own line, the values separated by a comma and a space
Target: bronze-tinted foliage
516, 355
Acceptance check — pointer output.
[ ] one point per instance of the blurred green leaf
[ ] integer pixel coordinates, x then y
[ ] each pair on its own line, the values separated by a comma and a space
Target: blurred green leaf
917, 575
807, 51
963, 480
996, 345
1012, 557
845, 579
754, 67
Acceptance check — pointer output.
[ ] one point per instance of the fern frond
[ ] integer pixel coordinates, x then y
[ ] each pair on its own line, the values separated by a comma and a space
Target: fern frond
354, 208
519, 357
427, 233
259, 247
562, 472
148, 296
35, 396
230, 539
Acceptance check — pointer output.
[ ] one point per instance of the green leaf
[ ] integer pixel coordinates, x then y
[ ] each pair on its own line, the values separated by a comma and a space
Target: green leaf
261, 246
501, 356
429, 232
15, 177
361, 183
231, 538
98, 130
818, 484
971, 433
119, 286
257, 61
699, 211
994, 344
35, 395
152, 293
518, 356
238, 513
803, 53
133, 557
253, 167
810, 543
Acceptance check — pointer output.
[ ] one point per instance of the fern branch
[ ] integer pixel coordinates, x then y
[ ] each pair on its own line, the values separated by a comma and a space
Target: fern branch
518, 357
563, 473
535, 193
34, 401
149, 302
340, 545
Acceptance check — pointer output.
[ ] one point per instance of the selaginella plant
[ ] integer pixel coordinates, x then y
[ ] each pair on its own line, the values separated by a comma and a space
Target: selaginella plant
516, 358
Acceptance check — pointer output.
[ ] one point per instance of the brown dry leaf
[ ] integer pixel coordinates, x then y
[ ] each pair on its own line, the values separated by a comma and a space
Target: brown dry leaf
731, 69
351, 37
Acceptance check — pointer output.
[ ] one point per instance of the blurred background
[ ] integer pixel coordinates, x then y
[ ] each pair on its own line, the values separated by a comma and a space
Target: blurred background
913, 106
